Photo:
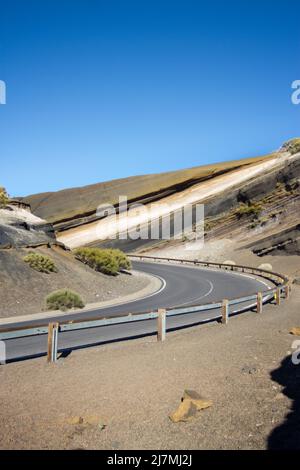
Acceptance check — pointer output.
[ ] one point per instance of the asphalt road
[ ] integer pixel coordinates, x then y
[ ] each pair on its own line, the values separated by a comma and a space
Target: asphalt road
183, 285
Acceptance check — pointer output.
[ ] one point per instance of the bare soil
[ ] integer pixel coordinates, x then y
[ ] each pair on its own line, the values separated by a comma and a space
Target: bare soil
120, 396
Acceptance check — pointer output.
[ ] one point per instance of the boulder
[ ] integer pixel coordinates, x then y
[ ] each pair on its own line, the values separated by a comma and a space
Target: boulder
297, 281
265, 267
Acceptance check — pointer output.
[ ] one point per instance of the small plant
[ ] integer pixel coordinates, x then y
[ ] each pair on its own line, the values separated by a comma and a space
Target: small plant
40, 263
292, 185
64, 299
292, 146
207, 226
106, 261
251, 209
254, 224
4, 199
264, 220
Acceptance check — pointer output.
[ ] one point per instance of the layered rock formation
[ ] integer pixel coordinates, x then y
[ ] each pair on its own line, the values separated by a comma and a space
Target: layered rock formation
20, 228
270, 181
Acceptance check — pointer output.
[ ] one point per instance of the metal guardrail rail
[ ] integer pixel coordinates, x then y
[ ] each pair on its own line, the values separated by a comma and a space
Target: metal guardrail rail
282, 285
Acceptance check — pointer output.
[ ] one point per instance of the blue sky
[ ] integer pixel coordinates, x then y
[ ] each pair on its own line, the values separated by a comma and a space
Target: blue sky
98, 90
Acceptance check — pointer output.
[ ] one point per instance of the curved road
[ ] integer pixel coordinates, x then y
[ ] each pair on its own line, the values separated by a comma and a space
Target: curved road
183, 285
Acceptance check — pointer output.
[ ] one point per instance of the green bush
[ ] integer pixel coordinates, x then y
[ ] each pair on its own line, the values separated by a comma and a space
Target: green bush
207, 226
251, 209
3, 197
64, 299
40, 263
122, 260
107, 261
100, 260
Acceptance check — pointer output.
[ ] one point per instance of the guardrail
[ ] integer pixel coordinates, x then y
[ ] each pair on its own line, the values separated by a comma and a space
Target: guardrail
222, 307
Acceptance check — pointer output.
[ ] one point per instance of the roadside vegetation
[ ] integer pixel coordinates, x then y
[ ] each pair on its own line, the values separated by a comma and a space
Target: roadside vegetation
41, 263
106, 261
3, 197
64, 299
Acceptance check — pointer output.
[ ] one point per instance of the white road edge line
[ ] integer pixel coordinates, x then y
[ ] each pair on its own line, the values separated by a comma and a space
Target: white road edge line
210, 269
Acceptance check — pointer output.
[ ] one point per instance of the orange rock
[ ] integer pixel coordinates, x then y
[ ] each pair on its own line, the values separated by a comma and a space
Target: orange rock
200, 402
295, 331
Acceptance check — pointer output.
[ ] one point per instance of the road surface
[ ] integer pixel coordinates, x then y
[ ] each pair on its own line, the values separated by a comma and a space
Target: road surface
182, 286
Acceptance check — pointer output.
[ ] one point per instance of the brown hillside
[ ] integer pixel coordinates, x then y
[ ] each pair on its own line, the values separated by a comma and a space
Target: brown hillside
77, 202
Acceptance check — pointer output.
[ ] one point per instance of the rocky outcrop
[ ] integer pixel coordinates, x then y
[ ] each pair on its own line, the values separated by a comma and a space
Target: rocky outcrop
284, 242
20, 228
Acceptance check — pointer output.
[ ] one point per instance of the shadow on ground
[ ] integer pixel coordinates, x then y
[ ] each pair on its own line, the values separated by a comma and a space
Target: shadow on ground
287, 435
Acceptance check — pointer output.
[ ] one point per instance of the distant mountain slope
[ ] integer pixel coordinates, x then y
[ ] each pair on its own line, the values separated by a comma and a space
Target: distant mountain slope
74, 203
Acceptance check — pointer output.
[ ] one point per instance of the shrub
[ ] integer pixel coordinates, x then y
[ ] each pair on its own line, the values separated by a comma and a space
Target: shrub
254, 224
109, 261
40, 263
292, 146
3, 197
207, 226
100, 260
121, 259
253, 208
64, 299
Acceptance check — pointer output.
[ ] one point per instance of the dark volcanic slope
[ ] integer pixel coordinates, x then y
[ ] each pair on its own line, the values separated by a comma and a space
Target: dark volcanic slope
74, 203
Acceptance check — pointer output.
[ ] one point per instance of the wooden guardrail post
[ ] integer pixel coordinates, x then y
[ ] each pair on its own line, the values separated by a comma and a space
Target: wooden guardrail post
161, 324
278, 296
287, 291
259, 302
52, 342
225, 311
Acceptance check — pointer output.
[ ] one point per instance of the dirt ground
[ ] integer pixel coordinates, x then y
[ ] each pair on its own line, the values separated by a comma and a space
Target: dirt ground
120, 396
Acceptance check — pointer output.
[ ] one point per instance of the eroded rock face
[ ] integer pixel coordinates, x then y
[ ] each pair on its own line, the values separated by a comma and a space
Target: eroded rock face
19, 228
